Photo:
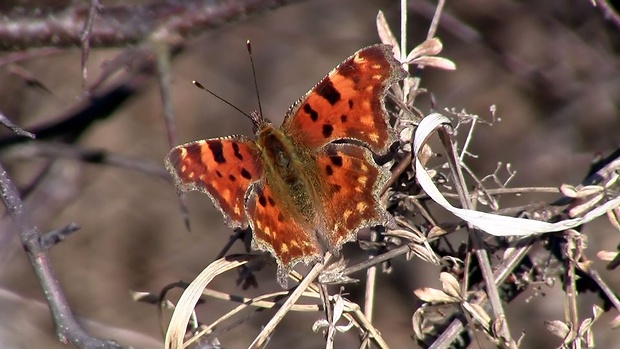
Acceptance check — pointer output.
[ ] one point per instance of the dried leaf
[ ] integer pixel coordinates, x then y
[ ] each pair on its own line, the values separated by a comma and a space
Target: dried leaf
435, 62
433, 295
614, 217
450, 285
386, 35
607, 256
479, 314
416, 322
568, 190
429, 47
436, 232
615, 323
558, 328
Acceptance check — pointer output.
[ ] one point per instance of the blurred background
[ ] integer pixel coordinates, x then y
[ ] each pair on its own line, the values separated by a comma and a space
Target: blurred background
551, 68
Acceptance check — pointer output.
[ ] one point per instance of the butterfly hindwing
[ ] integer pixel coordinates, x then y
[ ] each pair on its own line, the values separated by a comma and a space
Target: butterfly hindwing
275, 231
350, 196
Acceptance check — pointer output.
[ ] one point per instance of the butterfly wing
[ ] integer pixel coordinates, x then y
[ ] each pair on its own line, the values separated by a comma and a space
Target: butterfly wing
278, 232
223, 168
350, 197
348, 103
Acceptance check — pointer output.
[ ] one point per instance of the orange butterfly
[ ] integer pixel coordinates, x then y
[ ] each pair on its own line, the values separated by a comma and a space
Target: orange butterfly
294, 185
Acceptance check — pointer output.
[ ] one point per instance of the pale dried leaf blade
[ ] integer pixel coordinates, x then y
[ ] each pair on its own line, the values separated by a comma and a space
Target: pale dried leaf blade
338, 308
436, 232
558, 328
433, 295
606, 256
386, 35
615, 323
425, 154
585, 326
140, 296
423, 253
568, 190
435, 62
491, 223
450, 284
479, 314
191, 295
589, 190
597, 312
614, 218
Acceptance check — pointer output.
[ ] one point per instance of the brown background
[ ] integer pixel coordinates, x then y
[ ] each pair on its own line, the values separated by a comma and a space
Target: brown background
551, 68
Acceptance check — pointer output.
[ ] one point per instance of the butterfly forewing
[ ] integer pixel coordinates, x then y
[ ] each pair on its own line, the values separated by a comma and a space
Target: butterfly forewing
223, 168
348, 103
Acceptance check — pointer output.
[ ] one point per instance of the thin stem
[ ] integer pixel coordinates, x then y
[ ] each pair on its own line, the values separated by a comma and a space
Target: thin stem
67, 329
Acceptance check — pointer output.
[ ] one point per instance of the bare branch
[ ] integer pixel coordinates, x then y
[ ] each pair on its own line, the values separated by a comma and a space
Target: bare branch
124, 25
67, 329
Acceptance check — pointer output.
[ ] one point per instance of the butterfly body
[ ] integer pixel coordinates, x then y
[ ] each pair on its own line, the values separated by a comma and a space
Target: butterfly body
288, 171
295, 187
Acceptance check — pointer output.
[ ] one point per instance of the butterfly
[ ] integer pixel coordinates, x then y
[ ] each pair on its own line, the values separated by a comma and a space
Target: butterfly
312, 182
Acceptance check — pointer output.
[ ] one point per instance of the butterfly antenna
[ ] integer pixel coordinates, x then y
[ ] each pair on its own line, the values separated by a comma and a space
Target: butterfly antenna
260, 108
200, 86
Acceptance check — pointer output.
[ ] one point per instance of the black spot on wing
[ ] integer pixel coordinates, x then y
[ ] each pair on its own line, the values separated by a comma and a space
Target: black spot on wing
343, 118
270, 200
336, 160
236, 150
218, 173
336, 188
216, 148
261, 200
314, 116
245, 174
327, 130
232, 178
329, 170
329, 92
